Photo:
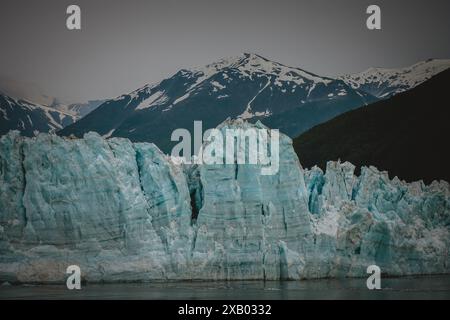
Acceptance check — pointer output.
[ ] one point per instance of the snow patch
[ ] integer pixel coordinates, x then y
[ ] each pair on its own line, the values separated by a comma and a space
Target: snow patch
181, 98
158, 96
217, 85
107, 135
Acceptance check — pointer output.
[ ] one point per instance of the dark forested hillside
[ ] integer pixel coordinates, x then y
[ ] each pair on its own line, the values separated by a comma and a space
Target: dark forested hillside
407, 135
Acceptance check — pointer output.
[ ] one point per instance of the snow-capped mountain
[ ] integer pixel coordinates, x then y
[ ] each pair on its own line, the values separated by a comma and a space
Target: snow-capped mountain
384, 83
248, 87
30, 118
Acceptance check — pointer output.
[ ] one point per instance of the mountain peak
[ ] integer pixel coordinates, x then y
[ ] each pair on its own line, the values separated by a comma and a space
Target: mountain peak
251, 56
249, 64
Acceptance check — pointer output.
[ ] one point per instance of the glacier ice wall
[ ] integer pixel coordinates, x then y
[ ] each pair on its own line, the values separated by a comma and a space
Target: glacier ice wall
403, 228
251, 226
126, 212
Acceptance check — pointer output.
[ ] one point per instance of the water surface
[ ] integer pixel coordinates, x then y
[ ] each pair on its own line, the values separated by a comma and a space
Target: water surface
424, 287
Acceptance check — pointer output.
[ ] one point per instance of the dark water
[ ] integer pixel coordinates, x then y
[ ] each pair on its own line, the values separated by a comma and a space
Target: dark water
425, 287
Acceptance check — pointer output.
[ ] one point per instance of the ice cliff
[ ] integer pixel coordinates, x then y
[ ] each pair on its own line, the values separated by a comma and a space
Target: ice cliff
124, 211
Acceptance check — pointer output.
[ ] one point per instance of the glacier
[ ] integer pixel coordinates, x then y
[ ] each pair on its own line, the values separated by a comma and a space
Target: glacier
125, 211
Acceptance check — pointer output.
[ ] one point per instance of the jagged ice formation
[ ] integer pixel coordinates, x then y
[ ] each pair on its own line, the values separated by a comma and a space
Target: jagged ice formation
124, 211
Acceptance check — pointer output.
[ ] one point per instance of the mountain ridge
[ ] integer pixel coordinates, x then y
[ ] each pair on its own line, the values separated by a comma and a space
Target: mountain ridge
247, 86
386, 82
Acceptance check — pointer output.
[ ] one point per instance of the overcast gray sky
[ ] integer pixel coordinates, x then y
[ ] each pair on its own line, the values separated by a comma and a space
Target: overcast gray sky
126, 44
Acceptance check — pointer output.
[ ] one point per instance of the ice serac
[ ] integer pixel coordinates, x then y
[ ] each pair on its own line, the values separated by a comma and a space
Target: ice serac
251, 226
78, 202
358, 221
124, 211
167, 195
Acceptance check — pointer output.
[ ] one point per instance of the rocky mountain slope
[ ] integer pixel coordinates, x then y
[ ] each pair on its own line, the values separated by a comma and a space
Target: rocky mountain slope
30, 118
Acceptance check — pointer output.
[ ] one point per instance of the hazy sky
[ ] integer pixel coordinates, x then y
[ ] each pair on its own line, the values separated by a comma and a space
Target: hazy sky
126, 44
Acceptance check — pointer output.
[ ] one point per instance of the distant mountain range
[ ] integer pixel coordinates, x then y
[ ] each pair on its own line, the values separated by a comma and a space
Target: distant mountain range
247, 86
82, 109
31, 118
407, 135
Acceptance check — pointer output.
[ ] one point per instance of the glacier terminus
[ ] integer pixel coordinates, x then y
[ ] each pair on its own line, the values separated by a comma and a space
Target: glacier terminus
126, 211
